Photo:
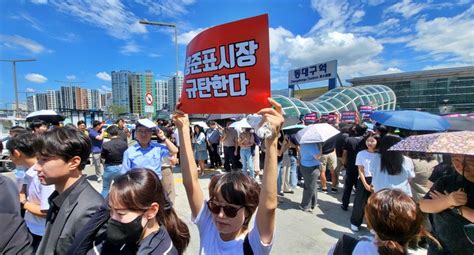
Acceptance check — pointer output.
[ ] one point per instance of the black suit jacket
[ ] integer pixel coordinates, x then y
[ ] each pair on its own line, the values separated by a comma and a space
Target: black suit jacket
76, 210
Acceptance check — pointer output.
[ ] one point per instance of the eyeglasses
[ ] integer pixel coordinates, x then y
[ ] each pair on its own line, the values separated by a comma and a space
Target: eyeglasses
229, 211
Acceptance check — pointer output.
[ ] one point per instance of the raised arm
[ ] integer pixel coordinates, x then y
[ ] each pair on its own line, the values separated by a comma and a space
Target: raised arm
188, 164
171, 147
265, 219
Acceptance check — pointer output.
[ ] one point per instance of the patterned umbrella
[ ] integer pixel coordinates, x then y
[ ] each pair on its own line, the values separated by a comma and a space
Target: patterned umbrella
448, 143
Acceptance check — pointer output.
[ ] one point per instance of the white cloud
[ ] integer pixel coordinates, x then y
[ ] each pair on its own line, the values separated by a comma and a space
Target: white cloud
15, 41
390, 70
111, 16
30, 90
374, 2
333, 14
26, 17
167, 8
185, 38
130, 48
393, 40
356, 55
71, 77
444, 37
68, 37
406, 8
357, 16
106, 88
446, 65
36, 78
154, 55
103, 76
379, 29
39, 1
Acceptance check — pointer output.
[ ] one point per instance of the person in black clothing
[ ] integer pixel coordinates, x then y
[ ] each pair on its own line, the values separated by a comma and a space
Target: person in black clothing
213, 138
444, 168
138, 219
123, 132
352, 146
451, 205
62, 154
329, 160
15, 238
112, 152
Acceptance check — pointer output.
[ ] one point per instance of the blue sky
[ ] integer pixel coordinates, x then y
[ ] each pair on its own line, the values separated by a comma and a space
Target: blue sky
86, 40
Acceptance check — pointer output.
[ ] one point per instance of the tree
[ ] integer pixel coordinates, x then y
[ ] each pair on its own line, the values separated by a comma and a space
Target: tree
116, 110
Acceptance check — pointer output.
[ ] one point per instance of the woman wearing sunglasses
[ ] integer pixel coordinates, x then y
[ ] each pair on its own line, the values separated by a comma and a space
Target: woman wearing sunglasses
223, 220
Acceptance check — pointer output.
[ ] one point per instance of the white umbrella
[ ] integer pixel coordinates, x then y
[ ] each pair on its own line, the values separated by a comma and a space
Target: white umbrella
45, 115
200, 123
316, 133
241, 124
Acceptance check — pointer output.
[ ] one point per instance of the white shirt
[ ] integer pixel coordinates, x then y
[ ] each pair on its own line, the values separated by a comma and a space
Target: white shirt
369, 160
176, 136
37, 194
211, 242
382, 180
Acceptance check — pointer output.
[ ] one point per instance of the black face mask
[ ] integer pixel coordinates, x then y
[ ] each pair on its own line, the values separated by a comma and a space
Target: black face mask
119, 233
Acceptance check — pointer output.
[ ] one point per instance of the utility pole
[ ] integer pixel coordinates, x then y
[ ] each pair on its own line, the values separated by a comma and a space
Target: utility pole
14, 61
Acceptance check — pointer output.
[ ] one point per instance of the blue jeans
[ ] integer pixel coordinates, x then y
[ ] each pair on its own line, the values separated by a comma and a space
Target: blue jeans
293, 170
279, 176
247, 161
110, 172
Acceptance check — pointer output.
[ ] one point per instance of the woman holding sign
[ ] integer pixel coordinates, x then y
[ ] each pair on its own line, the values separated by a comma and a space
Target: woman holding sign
233, 197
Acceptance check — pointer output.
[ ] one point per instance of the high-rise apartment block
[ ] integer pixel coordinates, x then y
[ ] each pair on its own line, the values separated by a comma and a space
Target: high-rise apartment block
162, 91
142, 84
121, 89
175, 86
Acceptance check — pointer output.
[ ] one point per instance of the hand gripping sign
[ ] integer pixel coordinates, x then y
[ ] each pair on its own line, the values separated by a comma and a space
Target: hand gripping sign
228, 69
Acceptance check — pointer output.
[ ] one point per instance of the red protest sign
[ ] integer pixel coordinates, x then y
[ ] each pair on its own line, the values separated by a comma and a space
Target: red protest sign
228, 69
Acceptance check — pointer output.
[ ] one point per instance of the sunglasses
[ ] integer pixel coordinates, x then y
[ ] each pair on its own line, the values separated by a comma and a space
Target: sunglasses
229, 211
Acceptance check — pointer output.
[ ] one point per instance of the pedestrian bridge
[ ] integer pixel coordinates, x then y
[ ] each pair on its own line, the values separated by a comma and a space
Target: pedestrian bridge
380, 97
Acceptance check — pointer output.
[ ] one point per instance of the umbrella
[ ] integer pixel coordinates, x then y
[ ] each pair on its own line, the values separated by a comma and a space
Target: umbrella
411, 120
243, 123
460, 123
293, 129
461, 142
225, 116
48, 116
316, 133
200, 123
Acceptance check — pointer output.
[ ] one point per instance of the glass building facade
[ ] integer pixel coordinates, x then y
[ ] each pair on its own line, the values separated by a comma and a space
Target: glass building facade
431, 90
341, 99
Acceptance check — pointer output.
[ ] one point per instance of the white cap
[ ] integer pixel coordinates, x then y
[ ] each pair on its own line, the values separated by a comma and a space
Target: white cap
147, 123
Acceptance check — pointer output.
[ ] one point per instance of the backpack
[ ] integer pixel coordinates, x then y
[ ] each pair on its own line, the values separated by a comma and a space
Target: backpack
345, 245
247, 247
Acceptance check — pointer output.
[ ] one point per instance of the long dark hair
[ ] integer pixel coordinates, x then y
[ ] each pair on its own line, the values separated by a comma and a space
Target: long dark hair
200, 130
138, 189
238, 189
394, 216
391, 161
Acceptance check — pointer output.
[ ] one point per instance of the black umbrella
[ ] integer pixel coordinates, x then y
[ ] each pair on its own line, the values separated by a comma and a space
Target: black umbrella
460, 123
48, 116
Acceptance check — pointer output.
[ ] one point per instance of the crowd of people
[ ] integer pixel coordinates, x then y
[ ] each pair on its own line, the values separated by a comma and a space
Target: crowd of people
407, 200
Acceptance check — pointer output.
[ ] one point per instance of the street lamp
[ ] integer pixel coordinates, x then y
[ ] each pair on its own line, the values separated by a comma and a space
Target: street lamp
17, 108
163, 24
